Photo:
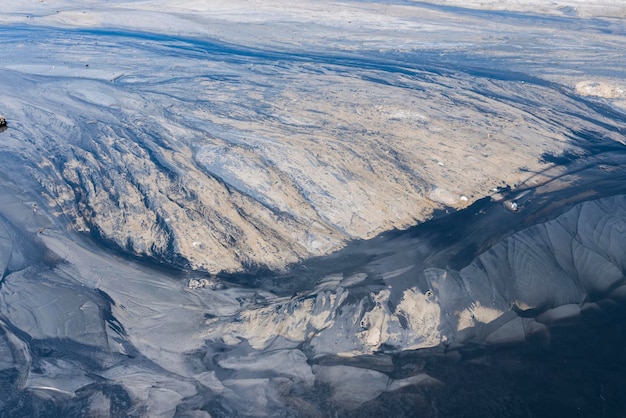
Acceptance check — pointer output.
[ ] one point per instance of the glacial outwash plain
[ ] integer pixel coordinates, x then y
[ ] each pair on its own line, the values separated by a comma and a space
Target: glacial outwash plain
312, 208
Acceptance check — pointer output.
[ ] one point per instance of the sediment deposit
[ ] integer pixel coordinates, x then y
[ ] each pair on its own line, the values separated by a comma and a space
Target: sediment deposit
313, 208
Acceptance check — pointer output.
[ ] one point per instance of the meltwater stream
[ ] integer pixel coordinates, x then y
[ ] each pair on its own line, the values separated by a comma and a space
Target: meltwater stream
195, 227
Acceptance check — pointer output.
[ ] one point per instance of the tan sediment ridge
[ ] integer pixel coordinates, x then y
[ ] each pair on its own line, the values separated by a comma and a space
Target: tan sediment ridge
245, 156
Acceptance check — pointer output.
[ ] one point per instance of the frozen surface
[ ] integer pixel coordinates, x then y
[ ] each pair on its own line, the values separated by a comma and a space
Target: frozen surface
221, 138
310, 208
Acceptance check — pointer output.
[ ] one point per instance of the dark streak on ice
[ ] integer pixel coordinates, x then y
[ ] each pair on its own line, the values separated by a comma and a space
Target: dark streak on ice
565, 376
